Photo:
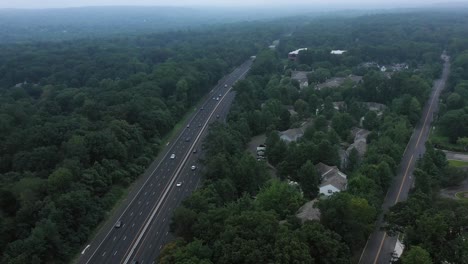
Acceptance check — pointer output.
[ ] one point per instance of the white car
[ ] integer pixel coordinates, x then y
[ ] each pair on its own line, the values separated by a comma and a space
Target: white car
193, 167
225, 85
172, 156
217, 98
179, 184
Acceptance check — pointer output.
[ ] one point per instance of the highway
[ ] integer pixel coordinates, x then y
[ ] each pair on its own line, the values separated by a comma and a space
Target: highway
145, 214
380, 245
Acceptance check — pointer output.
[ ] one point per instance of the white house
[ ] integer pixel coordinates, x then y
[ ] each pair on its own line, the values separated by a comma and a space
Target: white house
333, 180
337, 52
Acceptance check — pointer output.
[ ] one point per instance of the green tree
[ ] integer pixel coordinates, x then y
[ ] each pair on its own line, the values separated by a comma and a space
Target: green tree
309, 180
416, 255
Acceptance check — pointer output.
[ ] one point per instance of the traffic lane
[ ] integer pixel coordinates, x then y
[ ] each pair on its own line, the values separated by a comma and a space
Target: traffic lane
220, 103
168, 207
107, 228
131, 231
157, 238
132, 219
105, 252
380, 245
172, 201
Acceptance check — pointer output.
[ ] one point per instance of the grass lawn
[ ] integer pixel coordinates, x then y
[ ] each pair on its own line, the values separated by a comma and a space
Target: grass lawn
462, 195
458, 163
442, 142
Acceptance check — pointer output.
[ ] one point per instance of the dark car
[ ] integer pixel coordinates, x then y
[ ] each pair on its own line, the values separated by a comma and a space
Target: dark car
194, 151
217, 116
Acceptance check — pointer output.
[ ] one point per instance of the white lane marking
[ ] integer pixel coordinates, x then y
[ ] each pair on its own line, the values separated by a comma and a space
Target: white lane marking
151, 185
139, 202
131, 213
160, 246
164, 219
147, 203
159, 184
153, 193
114, 238
141, 213
150, 245
146, 193
84, 250
103, 254
115, 252
133, 224
125, 237
123, 225
167, 233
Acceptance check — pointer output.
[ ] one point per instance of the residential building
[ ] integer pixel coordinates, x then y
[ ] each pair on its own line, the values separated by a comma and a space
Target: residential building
333, 180
293, 54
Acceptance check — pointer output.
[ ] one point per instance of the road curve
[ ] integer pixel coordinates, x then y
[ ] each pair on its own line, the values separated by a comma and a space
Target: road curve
380, 245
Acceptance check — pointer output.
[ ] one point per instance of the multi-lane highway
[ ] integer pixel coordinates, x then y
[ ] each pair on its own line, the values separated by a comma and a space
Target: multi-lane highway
146, 212
380, 245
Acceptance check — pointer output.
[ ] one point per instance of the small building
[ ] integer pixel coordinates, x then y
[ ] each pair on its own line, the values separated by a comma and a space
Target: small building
293, 54
338, 52
301, 77
333, 180
292, 134
308, 211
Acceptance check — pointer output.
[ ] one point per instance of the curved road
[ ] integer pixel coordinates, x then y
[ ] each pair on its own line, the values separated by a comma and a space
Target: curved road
379, 246
146, 212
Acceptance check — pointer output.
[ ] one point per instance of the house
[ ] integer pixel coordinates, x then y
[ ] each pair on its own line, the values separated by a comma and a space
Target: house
293, 54
338, 52
383, 69
292, 134
308, 211
301, 77
333, 180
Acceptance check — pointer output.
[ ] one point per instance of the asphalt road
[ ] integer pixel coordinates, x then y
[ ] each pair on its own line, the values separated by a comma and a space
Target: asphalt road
145, 214
451, 155
380, 245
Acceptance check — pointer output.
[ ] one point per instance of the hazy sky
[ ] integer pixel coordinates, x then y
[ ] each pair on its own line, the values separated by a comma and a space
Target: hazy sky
266, 3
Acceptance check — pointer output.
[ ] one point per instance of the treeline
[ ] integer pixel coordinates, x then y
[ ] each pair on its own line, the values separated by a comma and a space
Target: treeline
252, 222
89, 120
434, 229
452, 124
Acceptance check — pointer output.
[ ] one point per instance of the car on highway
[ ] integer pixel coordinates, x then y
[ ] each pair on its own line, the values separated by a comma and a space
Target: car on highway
193, 167
225, 85
217, 98
187, 139
199, 125
202, 108
118, 224
179, 184
217, 116
220, 95
188, 125
194, 151
172, 156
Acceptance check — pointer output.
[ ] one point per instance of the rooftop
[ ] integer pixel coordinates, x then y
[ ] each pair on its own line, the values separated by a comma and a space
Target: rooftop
308, 211
337, 52
295, 52
331, 175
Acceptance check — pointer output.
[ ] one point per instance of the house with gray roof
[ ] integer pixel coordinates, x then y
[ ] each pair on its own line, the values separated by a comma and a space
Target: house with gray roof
333, 180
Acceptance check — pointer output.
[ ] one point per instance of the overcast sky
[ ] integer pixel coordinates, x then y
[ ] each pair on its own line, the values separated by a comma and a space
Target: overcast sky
322, 3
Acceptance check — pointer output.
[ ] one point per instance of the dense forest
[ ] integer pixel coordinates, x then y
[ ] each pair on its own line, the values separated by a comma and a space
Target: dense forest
80, 120
244, 215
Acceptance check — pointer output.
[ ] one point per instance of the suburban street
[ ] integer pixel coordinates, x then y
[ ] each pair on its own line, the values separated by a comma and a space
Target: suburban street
146, 213
380, 245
